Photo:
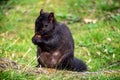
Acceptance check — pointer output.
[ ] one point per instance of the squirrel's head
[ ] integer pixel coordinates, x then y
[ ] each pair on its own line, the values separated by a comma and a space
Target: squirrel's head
44, 23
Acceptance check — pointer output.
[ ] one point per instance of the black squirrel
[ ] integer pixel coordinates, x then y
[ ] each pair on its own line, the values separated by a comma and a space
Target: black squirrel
55, 45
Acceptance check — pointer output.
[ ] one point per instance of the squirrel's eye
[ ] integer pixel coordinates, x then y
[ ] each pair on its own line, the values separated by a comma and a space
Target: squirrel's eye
46, 25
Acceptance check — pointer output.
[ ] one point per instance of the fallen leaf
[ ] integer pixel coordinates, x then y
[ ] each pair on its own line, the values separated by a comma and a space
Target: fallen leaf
109, 39
87, 20
89, 61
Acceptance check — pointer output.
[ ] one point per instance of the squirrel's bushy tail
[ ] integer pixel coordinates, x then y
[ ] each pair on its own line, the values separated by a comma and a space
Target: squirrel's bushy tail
78, 65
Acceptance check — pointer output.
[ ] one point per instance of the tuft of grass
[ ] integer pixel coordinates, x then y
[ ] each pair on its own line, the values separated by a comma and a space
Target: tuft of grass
15, 75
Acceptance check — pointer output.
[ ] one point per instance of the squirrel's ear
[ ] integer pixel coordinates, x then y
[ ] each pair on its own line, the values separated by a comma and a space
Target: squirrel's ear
41, 11
51, 17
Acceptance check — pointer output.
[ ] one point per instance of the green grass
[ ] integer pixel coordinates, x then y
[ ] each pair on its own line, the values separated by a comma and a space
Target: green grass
98, 44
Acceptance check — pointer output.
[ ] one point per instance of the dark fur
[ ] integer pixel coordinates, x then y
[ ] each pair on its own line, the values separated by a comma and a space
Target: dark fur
55, 45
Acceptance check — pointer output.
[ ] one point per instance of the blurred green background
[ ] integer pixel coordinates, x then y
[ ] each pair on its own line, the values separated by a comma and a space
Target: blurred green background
95, 26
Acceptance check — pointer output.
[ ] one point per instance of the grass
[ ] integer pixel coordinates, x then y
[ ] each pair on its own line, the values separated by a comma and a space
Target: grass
98, 44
